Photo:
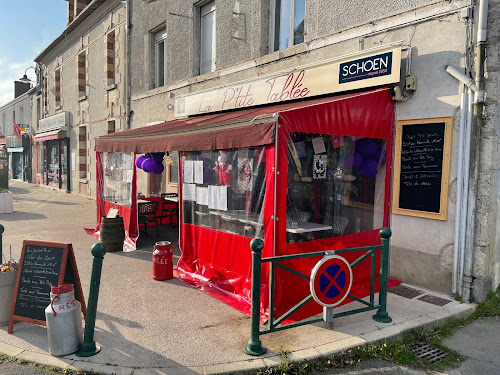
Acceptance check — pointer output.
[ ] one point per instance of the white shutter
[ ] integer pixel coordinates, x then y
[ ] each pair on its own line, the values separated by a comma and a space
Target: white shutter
207, 53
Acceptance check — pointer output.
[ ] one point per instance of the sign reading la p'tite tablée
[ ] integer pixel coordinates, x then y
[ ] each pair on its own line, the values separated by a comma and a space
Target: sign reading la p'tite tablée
369, 68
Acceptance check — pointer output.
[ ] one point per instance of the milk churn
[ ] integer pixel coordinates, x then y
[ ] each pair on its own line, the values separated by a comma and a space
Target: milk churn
64, 320
163, 264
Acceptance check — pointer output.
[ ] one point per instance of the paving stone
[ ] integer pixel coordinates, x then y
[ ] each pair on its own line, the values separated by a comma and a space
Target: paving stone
225, 368
103, 369
310, 353
342, 345
45, 359
10, 350
169, 371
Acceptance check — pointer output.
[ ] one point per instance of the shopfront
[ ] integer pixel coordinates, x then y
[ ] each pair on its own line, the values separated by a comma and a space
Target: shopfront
52, 150
304, 176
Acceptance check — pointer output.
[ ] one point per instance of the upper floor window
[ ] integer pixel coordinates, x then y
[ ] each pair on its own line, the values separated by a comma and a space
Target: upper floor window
287, 23
207, 38
57, 91
82, 74
110, 58
160, 58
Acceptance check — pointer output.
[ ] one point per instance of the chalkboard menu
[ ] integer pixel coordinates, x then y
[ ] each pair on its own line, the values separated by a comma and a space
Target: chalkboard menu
421, 168
42, 265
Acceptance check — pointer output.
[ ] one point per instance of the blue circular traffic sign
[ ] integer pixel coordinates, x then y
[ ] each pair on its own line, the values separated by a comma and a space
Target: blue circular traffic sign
331, 280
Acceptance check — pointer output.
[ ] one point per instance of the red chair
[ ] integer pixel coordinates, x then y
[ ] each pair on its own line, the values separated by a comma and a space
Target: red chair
169, 212
146, 213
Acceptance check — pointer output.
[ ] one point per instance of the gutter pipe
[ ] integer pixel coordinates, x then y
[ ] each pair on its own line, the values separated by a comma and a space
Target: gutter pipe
126, 4
478, 110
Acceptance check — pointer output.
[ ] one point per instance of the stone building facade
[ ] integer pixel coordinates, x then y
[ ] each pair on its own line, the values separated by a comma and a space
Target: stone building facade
82, 94
178, 48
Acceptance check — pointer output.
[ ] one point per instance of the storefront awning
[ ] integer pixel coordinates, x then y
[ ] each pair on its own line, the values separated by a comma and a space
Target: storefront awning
48, 136
248, 127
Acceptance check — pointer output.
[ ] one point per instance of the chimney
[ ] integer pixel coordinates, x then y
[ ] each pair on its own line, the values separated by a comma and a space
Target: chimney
20, 88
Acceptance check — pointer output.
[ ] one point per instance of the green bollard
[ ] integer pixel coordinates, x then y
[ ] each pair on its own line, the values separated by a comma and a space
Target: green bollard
88, 347
1, 234
254, 346
382, 316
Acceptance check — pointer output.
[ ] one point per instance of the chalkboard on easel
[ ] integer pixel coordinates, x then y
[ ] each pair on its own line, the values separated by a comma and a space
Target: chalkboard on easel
42, 265
421, 167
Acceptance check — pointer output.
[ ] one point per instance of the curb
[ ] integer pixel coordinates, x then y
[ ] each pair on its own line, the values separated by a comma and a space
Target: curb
392, 331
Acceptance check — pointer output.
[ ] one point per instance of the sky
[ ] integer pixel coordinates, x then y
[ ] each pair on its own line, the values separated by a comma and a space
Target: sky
27, 27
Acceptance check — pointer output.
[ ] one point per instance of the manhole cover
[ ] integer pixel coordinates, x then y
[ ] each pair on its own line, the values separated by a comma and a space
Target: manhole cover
429, 353
438, 301
405, 291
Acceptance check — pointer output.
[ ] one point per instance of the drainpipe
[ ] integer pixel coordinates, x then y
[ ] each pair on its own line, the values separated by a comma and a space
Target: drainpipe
462, 181
456, 247
126, 4
480, 49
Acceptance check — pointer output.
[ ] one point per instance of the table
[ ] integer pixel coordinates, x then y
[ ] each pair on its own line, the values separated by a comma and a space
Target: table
172, 199
306, 227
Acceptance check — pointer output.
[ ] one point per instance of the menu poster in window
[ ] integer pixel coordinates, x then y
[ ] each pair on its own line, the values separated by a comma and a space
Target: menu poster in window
188, 171
198, 172
217, 197
42, 265
189, 192
421, 168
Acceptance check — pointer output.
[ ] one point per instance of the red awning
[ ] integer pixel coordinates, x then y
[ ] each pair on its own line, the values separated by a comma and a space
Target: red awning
48, 136
242, 128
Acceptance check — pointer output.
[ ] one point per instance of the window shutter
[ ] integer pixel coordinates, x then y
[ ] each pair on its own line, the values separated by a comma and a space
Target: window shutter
207, 58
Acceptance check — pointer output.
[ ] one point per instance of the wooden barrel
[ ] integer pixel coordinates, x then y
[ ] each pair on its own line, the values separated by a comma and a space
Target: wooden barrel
112, 233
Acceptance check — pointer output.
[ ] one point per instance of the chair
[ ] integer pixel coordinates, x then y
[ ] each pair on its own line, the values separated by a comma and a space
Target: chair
169, 211
146, 213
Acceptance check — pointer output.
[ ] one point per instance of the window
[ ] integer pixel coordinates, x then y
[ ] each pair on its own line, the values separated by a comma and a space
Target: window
46, 94
57, 78
82, 74
287, 23
207, 38
110, 58
160, 58
173, 169
82, 152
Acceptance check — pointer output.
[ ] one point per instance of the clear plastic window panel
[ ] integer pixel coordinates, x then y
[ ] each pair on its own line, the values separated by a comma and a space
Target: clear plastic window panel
117, 182
335, 185
224, 190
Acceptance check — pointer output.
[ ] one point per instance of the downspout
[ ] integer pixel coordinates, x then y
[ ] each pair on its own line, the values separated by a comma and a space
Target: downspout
126, 4
456, 247
462, 182
480, 49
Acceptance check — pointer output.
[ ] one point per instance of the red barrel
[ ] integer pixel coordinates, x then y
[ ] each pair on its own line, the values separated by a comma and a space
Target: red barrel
163, 263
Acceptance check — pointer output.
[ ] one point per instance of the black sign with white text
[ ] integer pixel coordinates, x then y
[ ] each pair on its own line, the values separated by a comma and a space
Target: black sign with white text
369, 67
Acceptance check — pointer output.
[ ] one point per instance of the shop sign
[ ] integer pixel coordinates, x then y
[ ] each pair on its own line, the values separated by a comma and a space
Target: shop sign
53, 122
17, 131
374, 67
25, 128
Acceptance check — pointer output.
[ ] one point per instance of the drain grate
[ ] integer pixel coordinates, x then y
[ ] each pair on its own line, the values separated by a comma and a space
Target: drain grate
429, 353
438, 301
405, 291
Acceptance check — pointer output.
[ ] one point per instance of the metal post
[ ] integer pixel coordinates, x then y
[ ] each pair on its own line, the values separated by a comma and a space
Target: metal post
254, 346
1, 234
88, 347
382, 315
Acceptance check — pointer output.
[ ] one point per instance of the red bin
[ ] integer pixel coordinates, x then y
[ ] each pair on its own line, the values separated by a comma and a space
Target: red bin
163, 263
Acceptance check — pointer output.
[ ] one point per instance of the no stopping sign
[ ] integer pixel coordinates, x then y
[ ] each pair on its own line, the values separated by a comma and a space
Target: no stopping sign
331, 280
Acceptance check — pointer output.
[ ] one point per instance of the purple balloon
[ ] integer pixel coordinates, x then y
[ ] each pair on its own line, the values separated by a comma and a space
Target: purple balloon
369, 168
157, 156
158, 168
366, 148
148, 165
353, 161
139, 161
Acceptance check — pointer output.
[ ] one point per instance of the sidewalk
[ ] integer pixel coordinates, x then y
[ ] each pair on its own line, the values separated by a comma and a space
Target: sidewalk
149, 327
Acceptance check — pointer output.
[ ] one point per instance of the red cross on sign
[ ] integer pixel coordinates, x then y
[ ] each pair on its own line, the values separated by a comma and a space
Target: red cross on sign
331, 280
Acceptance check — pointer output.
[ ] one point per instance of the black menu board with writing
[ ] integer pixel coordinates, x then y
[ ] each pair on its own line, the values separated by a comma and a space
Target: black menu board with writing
422, 167
40, 269
42, 265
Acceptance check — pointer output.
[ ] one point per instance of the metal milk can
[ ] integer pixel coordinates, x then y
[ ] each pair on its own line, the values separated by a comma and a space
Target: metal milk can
163, 263
64, 320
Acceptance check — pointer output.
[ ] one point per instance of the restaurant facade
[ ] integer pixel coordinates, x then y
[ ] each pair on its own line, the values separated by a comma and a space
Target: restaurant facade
314, 135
